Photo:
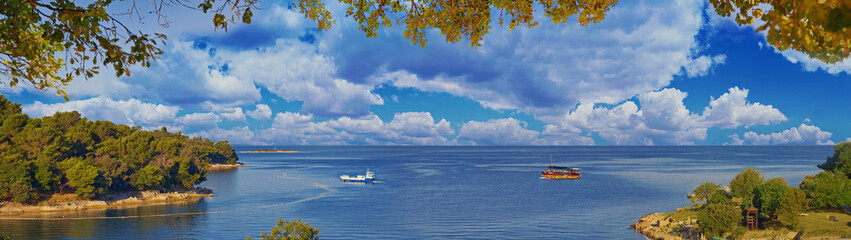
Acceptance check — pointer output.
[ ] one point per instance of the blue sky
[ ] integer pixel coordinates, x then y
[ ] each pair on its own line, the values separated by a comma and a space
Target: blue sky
650, 74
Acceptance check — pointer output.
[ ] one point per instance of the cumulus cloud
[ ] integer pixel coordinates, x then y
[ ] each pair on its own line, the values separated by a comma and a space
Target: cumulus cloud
701, 66
803, 134
199, 120
261, 112
294, 71
130, 112
406, 128
662, 119
732, 110
504, 131
546, 70
236, 135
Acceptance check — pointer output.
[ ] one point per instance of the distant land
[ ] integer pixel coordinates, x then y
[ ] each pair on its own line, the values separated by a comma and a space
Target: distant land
269, 151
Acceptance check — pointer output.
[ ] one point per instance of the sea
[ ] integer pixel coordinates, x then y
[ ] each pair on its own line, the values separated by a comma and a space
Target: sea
443, 192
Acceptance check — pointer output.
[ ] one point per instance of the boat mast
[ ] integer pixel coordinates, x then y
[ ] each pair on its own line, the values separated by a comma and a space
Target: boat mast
551, 160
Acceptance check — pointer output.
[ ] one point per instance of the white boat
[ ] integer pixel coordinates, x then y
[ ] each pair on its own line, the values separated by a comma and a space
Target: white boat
369, 177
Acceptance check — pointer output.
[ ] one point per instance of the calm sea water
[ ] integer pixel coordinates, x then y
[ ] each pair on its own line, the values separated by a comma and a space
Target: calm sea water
436, 193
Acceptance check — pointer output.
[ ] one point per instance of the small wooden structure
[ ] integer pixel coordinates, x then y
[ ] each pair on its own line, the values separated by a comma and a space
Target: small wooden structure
752, 218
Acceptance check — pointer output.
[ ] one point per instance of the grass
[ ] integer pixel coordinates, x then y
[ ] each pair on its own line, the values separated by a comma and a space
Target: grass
684, 213
816, 224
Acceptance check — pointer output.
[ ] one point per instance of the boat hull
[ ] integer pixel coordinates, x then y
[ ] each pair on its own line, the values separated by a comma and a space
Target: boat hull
368, 180
560, 176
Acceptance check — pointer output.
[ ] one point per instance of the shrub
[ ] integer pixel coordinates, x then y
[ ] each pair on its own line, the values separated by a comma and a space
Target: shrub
718, 219
286, 230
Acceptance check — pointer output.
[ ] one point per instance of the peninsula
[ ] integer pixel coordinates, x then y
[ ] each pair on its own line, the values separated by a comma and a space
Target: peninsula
67, 162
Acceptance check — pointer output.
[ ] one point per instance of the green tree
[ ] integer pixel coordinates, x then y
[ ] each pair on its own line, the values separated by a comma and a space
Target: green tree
791, 204
704, 191
83, 177
744, 184
716, 220
768, 195
286, 230
840, 162
827, 190
148, 177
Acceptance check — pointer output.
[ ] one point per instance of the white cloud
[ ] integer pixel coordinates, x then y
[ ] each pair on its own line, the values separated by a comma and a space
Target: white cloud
662, 119
504, 131
638, 48
417, 128
803, 134
732, 110
702, 65
130, 112
294, 71
199, 120
261, 112
236, 135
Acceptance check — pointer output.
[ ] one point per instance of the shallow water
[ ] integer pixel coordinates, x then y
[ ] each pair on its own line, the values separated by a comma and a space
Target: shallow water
437, 192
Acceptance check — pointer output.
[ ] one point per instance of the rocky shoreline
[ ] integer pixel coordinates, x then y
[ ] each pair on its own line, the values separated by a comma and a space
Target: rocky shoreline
109, 201
220, 167
657, 226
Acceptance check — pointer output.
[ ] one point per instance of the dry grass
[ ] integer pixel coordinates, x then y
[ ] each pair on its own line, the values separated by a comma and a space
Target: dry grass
816, 224
684, 213
60, 198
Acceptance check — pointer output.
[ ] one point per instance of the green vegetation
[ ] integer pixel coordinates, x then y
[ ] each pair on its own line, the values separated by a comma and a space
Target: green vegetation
827, 190
719, 219
286, 230
840, 162
744, 184
65, 153
783, 208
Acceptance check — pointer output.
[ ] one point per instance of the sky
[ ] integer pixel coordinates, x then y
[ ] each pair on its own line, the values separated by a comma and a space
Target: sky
651, 73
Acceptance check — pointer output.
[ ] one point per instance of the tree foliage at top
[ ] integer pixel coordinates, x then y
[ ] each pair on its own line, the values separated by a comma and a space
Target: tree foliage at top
40, 39
47, 43
287, 230
821, 29
65, 153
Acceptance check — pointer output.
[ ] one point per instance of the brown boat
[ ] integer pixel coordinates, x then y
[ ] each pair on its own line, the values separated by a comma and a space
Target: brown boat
554, 172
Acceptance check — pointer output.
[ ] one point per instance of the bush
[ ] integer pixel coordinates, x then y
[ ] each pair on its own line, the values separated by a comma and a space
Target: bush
719, 219
286, 230
744, 184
